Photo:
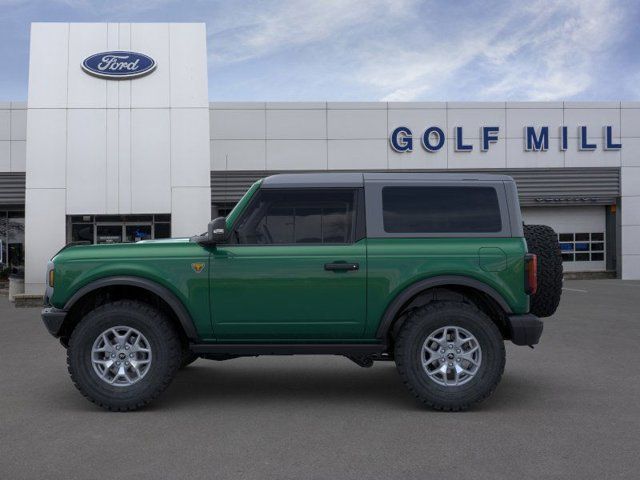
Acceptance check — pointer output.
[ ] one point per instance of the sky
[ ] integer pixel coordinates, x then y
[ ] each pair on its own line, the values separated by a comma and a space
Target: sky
377, 50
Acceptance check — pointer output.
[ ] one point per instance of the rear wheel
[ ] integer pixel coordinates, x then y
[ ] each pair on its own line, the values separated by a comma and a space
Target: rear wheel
450, 355
543, 242
123, 354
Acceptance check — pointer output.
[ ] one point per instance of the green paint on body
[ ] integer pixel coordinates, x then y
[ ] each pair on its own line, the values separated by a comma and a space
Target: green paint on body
235, 213
166, 262
283, 292
394, 264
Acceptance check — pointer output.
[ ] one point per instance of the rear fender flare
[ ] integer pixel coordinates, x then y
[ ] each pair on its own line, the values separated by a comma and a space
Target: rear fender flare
444, 280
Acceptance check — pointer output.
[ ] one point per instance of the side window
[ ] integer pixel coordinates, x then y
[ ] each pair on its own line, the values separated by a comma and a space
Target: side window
441, 209
291, 216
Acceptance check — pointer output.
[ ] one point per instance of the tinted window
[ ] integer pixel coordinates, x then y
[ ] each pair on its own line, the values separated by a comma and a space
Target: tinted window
298, 216
440, 210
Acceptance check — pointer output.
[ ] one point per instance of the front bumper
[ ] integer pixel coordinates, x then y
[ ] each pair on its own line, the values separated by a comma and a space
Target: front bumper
525, 329
53, 319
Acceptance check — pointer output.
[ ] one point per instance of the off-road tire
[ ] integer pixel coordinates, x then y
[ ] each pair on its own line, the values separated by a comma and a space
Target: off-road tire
424, 321
188, 357
543, 241
165, 347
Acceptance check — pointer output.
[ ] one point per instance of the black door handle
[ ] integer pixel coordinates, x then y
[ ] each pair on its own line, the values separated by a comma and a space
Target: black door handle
341, 266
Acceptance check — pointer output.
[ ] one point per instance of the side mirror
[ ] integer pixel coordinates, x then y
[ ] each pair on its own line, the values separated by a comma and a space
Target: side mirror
217, 231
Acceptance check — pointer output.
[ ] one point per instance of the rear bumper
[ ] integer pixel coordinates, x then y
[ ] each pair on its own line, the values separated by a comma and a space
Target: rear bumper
53, 319
525, 329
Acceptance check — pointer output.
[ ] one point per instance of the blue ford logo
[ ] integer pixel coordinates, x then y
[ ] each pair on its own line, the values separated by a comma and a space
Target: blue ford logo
118, 65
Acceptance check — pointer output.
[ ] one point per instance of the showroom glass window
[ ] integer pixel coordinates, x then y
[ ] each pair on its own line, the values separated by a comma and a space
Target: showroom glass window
290, 216
12, 238
118, 228
441, 209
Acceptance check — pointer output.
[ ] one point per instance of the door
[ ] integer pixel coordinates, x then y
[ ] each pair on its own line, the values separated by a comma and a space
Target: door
295, 268
582, 232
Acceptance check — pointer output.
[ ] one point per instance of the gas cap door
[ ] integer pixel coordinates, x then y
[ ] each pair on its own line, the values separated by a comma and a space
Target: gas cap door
492, 259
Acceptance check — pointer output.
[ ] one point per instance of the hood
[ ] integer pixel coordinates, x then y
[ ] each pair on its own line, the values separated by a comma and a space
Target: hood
81, 250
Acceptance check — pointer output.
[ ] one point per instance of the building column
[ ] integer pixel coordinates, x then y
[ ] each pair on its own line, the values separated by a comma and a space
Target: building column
630, 222
191, 210
45, 234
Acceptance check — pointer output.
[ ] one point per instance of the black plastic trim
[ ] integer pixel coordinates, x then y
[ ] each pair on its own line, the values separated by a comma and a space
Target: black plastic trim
361, 221
342, 267
355, 349
403, 297
53, 319
164, 293
525, 329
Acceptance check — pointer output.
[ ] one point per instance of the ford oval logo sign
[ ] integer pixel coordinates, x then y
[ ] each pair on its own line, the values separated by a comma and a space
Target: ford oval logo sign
118, 65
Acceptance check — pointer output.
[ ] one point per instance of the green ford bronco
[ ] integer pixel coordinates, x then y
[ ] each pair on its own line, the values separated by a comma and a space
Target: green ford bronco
432, 271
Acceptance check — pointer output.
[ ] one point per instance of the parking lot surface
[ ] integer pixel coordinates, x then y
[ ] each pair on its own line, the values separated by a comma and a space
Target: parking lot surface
568, 409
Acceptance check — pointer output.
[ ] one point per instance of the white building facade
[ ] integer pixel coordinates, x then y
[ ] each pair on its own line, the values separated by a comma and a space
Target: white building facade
114, 147
99, 159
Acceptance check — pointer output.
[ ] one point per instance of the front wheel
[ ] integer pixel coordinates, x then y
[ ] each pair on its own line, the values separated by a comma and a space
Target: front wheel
123, 354
450, 355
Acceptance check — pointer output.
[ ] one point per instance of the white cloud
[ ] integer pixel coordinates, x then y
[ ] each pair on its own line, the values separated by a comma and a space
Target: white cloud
252, 33
411, 75
564, 55
36, 3
391, 49
541, 52
120, 6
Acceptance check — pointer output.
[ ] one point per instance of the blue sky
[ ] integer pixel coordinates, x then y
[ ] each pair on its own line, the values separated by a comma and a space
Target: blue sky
401, 50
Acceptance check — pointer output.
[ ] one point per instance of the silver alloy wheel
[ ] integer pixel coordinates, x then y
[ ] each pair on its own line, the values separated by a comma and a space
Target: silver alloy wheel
121, 356
451, 356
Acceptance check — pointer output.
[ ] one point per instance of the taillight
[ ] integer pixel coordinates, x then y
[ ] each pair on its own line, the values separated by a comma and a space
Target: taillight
530, 274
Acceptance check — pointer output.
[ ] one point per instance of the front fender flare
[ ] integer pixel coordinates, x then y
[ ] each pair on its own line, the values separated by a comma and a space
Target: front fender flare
409, 292
164, 293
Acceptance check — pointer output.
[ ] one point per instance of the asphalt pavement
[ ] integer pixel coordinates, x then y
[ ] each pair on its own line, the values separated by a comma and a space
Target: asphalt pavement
568, 409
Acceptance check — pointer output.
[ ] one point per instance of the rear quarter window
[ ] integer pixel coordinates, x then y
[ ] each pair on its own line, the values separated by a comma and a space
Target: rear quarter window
441, 209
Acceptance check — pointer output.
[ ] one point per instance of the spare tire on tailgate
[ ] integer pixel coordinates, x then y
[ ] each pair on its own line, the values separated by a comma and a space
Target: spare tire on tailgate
543, 242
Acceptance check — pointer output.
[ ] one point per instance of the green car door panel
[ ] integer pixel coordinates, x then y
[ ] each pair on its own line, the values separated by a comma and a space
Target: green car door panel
288, 292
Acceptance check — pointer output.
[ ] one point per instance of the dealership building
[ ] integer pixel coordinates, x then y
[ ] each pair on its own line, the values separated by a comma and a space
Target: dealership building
118, 141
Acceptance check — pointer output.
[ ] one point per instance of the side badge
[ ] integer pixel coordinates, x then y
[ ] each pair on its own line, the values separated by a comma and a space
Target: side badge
197, 267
